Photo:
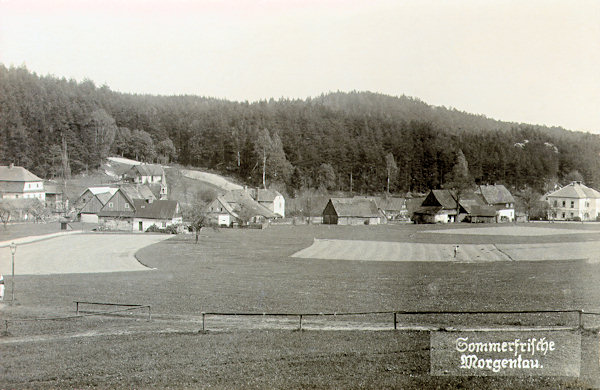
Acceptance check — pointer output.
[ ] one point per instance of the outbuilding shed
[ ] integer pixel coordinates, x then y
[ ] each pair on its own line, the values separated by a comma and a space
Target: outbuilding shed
351, 211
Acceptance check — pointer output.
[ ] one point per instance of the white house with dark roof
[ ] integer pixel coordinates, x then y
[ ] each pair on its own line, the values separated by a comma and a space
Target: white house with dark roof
574, 201
499, 197
17, 182
161, 213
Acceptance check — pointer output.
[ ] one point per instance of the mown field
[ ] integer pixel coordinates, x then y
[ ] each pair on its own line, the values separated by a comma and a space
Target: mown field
252, 271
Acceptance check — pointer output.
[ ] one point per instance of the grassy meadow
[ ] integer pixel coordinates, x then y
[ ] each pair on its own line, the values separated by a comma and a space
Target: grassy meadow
235, 270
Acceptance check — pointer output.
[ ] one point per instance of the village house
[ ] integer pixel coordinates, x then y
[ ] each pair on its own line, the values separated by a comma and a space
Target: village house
440, 206
118, 211
395, 209
270, 199
246, 208
160, 213
17, 182
91, 201
352, 211
574, 201
150, 174
500, 198
219, 212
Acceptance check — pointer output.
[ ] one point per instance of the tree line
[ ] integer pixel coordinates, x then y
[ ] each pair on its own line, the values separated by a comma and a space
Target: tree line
357, 141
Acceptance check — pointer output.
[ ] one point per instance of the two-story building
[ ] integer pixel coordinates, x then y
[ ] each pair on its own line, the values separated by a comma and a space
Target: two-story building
574, 201
18, 183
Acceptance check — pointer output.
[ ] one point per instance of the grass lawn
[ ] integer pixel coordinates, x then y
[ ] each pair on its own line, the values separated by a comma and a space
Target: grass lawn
252, 271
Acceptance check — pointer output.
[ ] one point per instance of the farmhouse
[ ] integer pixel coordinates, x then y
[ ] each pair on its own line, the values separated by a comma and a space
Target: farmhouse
395, 209
270, 199
246, 208
17, 182
440, 206
498, 197
574, 201
91, 201
161, 213
352, 211
220, 212
118, 211
148, 174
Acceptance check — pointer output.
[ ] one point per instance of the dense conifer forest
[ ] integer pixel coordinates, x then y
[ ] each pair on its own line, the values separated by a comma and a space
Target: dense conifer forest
337, 141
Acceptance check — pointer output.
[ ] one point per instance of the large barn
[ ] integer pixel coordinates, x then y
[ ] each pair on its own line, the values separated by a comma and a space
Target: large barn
352, 211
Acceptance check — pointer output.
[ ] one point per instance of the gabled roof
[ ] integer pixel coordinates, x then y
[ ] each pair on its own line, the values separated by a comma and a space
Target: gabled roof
14, 173
221, 200
263, 195
99, 190
157, 209
147, 170
240, 200
495, 194
445, 199
392, 204
576, 190
104, 197
133, 191
352, 207
482, 211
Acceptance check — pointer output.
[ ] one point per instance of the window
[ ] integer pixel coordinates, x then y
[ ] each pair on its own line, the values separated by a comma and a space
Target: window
110, 204
563, 215
564, 203
572, 204
126, 205
555, 203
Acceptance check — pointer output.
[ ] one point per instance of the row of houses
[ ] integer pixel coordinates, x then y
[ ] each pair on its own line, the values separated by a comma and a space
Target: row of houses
141, 200
491, 203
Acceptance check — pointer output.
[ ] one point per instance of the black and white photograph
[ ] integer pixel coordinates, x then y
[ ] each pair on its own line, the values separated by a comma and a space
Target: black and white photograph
299, 194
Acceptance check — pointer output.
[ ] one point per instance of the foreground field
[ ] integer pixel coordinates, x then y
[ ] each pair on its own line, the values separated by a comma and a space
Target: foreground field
252, 271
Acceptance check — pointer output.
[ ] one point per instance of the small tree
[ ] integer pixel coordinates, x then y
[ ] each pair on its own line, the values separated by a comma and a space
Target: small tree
6, 210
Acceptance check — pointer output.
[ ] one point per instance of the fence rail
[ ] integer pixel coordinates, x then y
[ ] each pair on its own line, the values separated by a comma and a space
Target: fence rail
580, 313
127, 307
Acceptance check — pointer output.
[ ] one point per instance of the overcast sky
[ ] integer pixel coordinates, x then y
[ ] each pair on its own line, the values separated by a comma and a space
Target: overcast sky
534, 61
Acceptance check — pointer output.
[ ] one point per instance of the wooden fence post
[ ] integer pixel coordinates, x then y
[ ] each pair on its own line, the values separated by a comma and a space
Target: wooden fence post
300, 322
580, 319
395, 322
149, 313
203, 321
76, 307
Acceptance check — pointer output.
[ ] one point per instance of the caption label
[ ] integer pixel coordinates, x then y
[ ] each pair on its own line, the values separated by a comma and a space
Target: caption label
510, 353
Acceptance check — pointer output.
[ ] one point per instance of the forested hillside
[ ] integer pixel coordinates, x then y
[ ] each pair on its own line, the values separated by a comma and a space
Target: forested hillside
57, 127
